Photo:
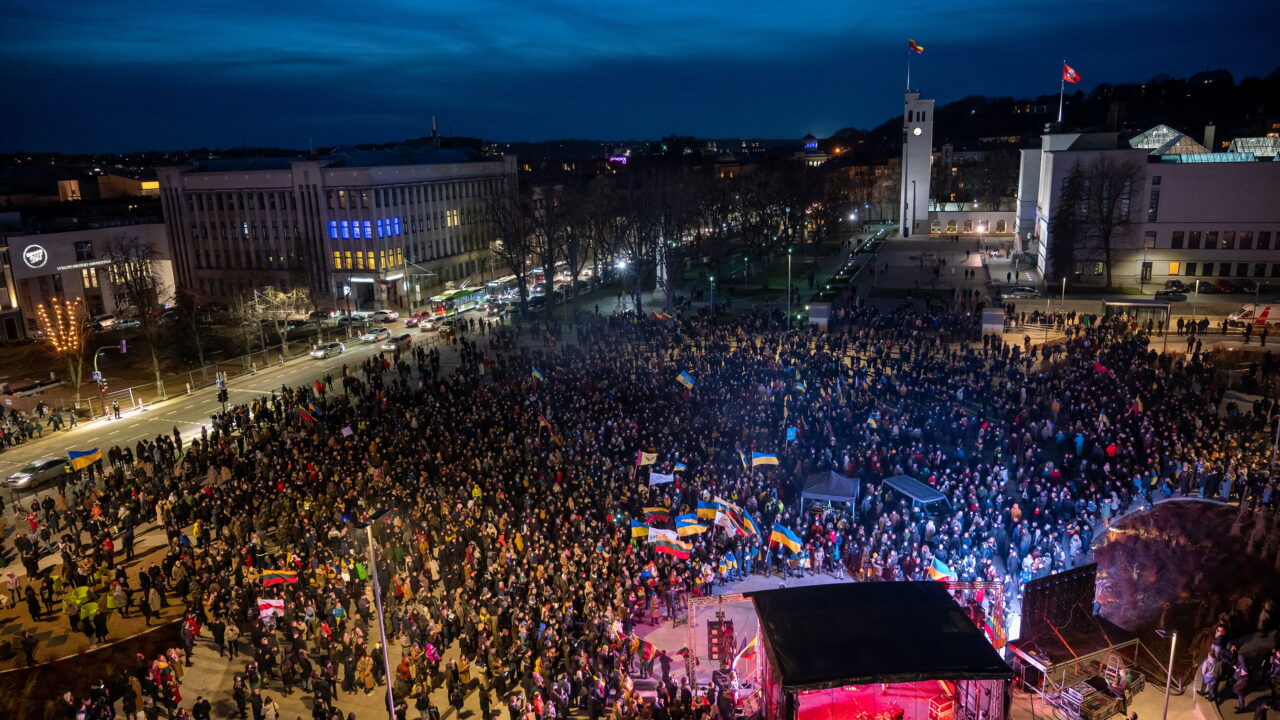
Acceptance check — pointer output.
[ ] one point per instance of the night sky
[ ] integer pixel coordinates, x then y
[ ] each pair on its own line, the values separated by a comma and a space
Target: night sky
90, 75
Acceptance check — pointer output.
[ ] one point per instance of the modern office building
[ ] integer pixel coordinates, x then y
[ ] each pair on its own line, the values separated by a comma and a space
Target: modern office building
1184, 212
359, 228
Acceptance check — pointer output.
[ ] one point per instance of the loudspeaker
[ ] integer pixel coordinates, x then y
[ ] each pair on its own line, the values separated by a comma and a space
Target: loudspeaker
1054, 600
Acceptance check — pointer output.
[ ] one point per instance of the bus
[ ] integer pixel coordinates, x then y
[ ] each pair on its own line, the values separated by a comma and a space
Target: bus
502, 287
456, 301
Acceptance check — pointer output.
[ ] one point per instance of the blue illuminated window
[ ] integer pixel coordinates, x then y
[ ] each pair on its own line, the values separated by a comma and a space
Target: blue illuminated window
346, 230
395, 226
333, 229
355, 229
368, 228
382, 224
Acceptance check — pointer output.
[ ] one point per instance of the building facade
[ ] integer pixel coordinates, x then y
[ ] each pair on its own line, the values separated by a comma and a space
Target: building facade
75, 265
1187, 214
917, 165
358, 228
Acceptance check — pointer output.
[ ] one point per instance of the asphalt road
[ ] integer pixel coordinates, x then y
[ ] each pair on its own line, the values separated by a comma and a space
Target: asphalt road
189, 413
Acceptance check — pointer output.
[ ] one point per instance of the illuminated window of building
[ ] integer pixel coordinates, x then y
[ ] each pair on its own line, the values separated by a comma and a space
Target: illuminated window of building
452, 218
359, 260
342, 198
88, 278
337, 260
333, 229
1174, 268
382, 259
369, 257
346, 257
368, 228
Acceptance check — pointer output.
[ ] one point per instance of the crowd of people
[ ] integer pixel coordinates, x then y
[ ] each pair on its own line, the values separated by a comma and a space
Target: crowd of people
502, 492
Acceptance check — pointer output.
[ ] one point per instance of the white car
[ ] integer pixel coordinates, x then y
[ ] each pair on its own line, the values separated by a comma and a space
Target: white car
104, 322
36, 473
430, 324
384, 316
376, 335
328, 350
1020, 291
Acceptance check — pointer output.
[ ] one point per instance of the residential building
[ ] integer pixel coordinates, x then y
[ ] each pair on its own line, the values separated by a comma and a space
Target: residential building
1184, 212
359, 228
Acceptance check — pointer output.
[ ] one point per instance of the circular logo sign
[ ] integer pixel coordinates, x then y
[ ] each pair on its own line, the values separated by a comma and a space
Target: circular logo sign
35, 256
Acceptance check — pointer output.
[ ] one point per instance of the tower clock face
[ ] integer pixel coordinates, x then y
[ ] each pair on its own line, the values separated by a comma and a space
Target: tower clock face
916, 131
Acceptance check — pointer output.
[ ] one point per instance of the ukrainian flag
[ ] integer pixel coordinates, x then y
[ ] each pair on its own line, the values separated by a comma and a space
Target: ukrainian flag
81, 459
749, 524
688, 525
537, 375
639, 529
801, 387
685, 379
743, 457
706, 510
681, 467
941, 571
758, 458
785, 537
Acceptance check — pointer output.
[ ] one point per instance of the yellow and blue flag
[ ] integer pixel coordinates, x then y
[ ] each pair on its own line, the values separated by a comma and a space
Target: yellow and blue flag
685, 379
639, 529
537, 375
759, 458
680, 467
791, 434
939, 570
743, 457
801, 386
783, 536
748, 523
81, 459
689, 525
706, 510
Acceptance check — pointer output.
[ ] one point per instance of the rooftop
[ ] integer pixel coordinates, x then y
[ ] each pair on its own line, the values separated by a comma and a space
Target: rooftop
345, 157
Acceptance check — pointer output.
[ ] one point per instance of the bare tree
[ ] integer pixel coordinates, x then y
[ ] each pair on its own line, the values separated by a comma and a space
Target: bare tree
512, 233
138, 288
1109, 186
65, 324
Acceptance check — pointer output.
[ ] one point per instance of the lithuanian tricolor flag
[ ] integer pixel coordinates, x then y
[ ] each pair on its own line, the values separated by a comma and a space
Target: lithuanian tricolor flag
276, 577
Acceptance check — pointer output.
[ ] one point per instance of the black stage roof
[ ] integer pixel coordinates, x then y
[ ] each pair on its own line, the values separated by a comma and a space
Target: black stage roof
825, 636
1085, 636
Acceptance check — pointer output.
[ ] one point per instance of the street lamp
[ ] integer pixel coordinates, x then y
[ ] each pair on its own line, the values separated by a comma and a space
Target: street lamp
789, 288
1168, 677
377, 599
713, 294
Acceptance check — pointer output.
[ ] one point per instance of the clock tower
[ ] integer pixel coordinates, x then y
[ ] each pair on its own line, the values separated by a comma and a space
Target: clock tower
917, 156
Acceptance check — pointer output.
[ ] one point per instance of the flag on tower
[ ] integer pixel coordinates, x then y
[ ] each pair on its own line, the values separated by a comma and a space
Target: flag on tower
911, 45
1070, 75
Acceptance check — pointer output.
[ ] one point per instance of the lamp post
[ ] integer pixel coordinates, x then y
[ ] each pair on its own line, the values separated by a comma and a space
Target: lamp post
789, 287
712, 278
1168, 677
382, 622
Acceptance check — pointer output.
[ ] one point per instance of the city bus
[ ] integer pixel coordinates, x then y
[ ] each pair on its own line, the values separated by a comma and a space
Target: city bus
456, 301
502, 287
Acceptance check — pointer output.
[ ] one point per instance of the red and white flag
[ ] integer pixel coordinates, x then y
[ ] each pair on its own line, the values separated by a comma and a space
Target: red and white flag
1070, 75
269, 606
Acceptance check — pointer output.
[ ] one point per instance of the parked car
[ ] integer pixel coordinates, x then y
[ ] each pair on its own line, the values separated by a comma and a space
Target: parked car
1247, 286
36, 473
1224, 286
1177, 285
1205, 287
384, 316
328, 350
537, 301
103, 322
1171, 295
353, 321
1020, 291
398, 342
126, 324
374, 335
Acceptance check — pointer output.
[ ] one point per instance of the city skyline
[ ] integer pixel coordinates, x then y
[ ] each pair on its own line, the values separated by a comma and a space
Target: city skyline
131, 77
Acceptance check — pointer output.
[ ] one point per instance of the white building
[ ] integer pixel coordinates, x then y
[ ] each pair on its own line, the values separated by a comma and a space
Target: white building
917, 158
359, 228
74, 265
1189, 214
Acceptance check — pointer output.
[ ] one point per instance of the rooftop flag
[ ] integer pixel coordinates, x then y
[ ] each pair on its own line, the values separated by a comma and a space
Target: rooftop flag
912, 46
1070, 75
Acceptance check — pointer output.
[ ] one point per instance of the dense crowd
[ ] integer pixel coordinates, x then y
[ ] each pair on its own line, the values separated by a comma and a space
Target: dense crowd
507, 563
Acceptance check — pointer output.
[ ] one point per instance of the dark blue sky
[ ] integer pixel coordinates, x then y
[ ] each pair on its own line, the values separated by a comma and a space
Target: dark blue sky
90, 75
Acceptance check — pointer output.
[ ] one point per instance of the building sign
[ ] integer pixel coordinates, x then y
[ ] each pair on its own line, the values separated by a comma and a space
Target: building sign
82, 265
35, 256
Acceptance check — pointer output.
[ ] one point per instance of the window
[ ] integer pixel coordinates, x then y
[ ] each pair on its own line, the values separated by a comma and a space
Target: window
452, 218
346, 259
1259, 269
359, 260
1242, 269
1000, 225
1175, 241
1153, 207
1264, 239
1193, 240
1174, 268
1190, 269
369, 257
1275, 269
1211, 240
346, 230
968, 226
368, 228
355, 229
1149, 239
1246, 240
1125, 194
337, 259
1228, 240
1208, 269
88, 278
84, 251
333, 229
1224, 269
382, 229
342, 199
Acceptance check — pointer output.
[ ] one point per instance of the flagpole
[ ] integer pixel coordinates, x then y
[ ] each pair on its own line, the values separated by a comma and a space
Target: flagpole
1062, 88
908, 70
